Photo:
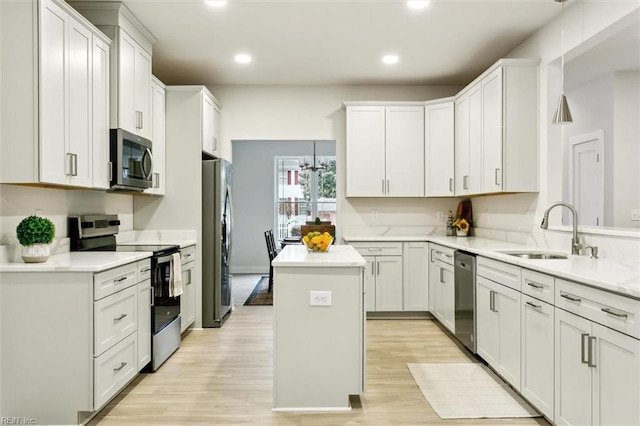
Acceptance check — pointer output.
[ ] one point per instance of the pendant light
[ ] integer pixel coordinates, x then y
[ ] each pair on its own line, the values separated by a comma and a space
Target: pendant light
314, 164
563, 114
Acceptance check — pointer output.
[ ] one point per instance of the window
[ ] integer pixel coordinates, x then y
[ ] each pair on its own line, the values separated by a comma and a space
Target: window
303, 195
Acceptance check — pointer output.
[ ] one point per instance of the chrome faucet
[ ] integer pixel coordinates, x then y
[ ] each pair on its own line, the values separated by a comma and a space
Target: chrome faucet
575, 240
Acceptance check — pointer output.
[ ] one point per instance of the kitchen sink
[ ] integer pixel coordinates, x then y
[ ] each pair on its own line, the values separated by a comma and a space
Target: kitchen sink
536, 255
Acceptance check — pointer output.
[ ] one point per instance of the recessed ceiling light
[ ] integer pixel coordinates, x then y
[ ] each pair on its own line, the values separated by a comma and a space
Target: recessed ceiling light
242, 58
390, 59
417, 4
216, 3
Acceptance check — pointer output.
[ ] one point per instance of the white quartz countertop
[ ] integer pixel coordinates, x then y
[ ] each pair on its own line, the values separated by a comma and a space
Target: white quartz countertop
341, 256
600, 273
181, 243
94, 261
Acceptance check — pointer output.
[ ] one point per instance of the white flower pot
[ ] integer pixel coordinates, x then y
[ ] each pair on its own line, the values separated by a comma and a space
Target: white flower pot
36, 253
461, 233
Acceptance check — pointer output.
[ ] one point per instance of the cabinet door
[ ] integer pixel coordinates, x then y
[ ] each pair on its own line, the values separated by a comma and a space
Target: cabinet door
573, 377
144, 323
439, 152
370, 283
486, 321
404, 151
507, 306
474, 180
616, 390
207, 124
54, 164
80, 103
537, 354
444, 294
127, 116
492, 132
188, 297
216, 132
143, 92
365, 151
100, 115
415, 258
389, 283
158, 138
462, 145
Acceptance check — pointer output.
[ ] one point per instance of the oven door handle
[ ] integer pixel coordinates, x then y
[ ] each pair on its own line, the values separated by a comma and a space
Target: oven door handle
165, 259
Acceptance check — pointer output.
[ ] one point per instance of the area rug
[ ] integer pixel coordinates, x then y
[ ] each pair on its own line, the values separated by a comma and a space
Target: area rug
468, 391
260, 294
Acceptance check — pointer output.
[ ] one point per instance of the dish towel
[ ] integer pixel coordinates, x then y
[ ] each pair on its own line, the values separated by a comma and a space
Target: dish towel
175, 279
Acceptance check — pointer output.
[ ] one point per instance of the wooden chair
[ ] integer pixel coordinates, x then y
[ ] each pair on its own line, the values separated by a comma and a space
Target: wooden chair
272, 251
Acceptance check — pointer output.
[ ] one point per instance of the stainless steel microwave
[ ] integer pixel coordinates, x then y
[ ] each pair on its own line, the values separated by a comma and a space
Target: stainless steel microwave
131, 161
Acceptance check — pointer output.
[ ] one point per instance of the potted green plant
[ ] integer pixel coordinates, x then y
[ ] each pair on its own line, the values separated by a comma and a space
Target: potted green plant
35, 233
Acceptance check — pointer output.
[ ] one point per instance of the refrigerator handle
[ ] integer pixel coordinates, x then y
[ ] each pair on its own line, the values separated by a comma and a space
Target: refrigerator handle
230, 224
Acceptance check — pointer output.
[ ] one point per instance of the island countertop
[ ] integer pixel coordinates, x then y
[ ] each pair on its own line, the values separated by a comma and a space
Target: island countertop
338, 256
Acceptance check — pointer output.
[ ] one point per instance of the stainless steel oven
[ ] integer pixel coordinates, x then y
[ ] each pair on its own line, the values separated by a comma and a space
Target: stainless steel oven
131, 161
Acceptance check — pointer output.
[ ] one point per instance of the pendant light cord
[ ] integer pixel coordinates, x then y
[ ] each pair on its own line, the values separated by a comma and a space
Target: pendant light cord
562, 48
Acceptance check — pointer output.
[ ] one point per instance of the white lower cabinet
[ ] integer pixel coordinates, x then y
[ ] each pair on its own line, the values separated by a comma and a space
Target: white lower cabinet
144, 323
113, 369
383, 283
537, 354
415, 258
498, 328
188, 297
597, 373
442, 285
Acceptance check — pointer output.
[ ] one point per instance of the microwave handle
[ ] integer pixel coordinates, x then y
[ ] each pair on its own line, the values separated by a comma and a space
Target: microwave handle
147, 173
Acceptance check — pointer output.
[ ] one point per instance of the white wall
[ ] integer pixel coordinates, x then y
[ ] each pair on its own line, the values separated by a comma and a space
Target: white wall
18, 202
316, 113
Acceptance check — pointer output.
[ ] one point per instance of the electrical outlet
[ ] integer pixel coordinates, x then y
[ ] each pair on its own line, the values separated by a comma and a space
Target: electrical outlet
320, 298
635, 215
440, 215
374, 214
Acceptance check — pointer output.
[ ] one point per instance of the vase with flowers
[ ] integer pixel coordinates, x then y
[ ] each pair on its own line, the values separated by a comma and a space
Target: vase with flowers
461, 227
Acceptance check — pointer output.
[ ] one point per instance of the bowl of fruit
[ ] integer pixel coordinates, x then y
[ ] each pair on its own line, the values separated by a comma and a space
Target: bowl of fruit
316, 242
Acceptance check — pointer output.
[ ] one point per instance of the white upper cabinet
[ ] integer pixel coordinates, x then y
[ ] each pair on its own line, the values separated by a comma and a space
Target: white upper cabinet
439, 148
48, 99
385, 150
158, 112
497, 130
208, 142
102, 168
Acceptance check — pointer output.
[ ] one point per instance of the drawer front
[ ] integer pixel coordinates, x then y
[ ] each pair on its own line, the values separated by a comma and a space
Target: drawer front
187, 254
500, 272
540, 286
441, 253
144, 270
113, 370
108, 282
611, 310
381, 248
115, 317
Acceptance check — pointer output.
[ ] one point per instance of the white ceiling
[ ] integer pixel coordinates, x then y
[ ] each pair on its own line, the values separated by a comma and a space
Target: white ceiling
315, 42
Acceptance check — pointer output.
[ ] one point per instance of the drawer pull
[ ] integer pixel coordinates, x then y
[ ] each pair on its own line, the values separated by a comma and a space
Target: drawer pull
534, 306
374, 249
448, 255
119, 318
145, 269
583, 349
534, 285
572, 298
614, 313
119, 280
122, 365
592, 345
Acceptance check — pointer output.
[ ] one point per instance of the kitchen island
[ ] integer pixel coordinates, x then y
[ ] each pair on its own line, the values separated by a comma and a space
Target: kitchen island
319, 329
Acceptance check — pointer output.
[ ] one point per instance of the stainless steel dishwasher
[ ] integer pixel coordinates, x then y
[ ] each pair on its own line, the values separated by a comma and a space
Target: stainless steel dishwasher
465, 298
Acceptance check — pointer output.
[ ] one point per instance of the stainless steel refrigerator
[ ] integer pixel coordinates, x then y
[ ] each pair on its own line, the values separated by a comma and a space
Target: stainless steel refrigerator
217, 236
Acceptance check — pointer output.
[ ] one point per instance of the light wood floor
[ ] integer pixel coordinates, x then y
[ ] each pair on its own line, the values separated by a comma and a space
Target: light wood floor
224, 377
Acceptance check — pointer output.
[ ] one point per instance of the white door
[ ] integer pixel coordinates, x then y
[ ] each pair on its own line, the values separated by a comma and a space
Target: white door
365, 151
586, 178
415, 257
370, 283
404, 151
461, 145
144, 323
216, 132
486, 321
439, 149
573, 377
127, 117
616, 391
158, 138
474, 181
537, 354
80, 105
143, 92
492, 132
389, 283
188, 297
507, 306
449, 294
54, 162
100, 113
207, 124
